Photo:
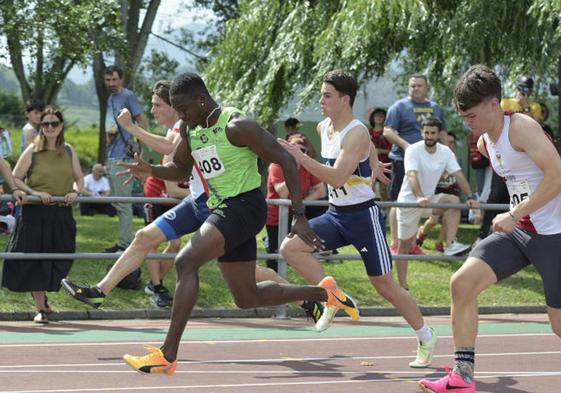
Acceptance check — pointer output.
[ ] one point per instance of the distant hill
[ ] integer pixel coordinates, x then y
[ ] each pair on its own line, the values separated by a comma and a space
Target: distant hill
8, 81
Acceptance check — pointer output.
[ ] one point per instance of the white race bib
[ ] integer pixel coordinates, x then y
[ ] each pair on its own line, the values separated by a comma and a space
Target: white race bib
337, 194
518, 192
208, 161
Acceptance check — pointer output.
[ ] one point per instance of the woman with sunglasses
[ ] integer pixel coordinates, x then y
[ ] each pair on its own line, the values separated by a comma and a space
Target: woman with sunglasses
48, 167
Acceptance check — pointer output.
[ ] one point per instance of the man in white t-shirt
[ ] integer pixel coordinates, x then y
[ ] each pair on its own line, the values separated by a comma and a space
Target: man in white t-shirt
95, 185
425, 162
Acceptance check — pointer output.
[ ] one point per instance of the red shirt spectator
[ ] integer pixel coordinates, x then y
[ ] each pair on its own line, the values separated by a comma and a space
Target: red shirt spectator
376, 119
276, 175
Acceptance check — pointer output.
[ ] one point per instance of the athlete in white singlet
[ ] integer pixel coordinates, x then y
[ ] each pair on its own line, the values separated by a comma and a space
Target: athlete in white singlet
529, 233
353, 217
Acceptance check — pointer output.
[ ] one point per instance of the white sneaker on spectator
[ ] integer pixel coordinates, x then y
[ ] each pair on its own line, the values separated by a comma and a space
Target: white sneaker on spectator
41, 317
456, 248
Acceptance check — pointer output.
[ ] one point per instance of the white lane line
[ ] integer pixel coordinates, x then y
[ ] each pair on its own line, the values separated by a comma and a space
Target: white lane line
420, 373
278, 360
264, 340
251, 385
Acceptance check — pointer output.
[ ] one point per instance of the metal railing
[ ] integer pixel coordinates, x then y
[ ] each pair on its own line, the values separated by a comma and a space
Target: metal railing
282, 233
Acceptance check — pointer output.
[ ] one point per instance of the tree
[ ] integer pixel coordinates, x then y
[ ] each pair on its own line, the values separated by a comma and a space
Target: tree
127, 53
277, 48
54, 35
156, 67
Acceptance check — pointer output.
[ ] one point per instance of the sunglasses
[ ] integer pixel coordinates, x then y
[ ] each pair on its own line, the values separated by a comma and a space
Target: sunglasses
46, 124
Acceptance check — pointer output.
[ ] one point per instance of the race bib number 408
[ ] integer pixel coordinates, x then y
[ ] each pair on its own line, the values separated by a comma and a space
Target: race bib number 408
208, 161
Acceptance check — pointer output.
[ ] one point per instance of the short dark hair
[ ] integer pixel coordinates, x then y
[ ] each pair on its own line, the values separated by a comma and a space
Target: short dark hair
291, 122
109, 70
420, 76
432, 122
343, 82
477, 84
452, 134
34, 105
161, 89
189, 84
376, 110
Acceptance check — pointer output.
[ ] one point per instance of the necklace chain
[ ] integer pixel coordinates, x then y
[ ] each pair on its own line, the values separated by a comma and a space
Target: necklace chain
211, 113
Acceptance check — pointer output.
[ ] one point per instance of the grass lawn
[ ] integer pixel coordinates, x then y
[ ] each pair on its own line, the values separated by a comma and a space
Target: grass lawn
428, 280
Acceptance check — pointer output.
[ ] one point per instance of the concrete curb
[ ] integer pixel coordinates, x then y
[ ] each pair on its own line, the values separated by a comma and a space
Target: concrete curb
251, 313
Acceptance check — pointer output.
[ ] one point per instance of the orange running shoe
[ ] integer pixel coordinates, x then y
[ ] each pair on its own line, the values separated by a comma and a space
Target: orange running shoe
153, 363
338, 298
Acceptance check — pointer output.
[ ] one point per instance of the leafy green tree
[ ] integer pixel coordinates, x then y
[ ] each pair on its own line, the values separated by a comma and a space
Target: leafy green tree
275, 49
50, 36
129, 37
11, 112
156, 67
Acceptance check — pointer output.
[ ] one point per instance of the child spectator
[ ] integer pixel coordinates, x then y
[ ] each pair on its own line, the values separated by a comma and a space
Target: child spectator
30, 130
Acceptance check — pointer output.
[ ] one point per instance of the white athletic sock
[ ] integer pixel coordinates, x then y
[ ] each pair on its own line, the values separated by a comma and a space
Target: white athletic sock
424, 334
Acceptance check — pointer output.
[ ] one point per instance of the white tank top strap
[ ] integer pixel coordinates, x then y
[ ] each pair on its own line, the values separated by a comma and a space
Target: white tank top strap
522, 177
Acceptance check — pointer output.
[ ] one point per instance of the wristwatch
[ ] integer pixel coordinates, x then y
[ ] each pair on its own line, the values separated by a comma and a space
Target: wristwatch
299, 211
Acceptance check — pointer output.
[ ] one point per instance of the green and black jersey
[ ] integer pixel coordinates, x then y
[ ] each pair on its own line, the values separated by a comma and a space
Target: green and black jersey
227, 169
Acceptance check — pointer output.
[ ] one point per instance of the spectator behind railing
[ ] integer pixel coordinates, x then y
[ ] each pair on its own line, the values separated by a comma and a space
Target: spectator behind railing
425, 163
33, 111
446, 185
49, 167
292, 128
311, 187
120, 146
383, 146
97, 185
403, 128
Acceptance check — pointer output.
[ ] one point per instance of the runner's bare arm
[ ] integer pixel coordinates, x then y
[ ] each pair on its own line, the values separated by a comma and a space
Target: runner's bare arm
354, 148
527, 135
181, 165
176, 170
246, 132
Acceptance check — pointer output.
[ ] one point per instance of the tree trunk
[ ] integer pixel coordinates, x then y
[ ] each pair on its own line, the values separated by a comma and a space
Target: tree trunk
15, 50
98, 67
136, 39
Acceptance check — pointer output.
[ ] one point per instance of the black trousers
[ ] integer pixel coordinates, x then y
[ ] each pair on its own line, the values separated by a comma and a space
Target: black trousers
89, 209
498, 194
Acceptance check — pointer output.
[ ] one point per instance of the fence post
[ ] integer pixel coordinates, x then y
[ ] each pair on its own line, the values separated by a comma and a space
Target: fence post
280, 310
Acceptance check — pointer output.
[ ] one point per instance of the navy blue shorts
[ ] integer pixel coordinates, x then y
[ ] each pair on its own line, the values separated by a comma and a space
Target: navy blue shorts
361, 225
184, 218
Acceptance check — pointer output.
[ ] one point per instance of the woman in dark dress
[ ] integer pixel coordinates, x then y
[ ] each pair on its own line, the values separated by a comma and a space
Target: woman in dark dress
48, 167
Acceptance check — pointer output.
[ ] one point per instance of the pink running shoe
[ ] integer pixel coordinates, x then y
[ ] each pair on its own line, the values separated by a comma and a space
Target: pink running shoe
451, 383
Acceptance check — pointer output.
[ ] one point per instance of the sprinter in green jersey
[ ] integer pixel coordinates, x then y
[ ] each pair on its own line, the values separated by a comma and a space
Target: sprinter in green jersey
225, 146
